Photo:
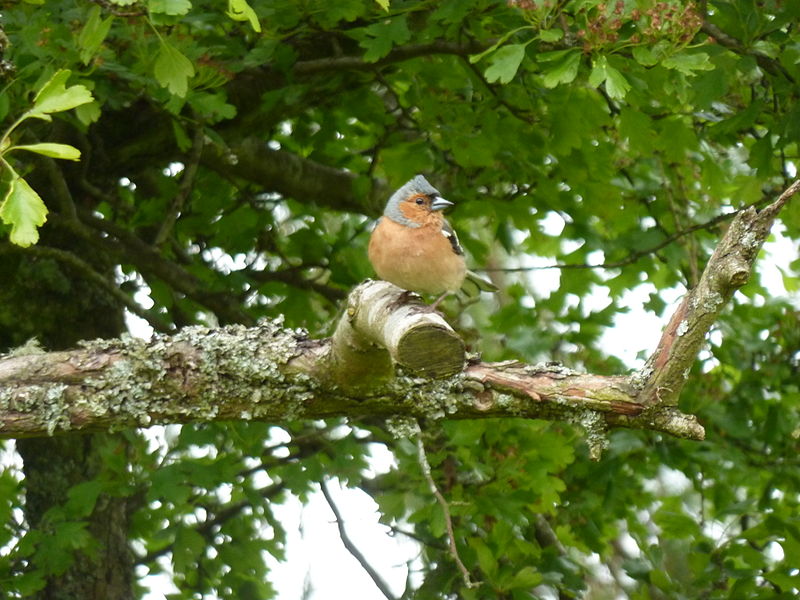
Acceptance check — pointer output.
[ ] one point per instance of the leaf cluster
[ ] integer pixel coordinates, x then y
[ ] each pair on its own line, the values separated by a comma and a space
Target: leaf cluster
225, 162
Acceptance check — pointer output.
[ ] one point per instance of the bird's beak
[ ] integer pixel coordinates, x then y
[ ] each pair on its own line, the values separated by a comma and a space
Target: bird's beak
440, 203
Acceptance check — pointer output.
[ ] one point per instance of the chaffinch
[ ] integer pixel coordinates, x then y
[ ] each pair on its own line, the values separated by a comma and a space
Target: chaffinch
414, 247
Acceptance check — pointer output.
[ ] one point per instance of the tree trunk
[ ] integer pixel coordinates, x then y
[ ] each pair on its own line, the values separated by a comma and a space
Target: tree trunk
59, 308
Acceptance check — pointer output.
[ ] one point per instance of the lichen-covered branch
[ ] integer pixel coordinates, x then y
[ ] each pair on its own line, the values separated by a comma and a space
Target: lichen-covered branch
271, 373
727, 270
275, 374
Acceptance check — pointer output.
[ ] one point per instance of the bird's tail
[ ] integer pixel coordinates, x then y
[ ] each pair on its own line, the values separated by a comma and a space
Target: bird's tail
474, 284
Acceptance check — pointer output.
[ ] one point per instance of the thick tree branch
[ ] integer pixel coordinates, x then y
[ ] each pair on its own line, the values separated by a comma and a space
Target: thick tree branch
275, 374
291, 175
727, 270
398, 54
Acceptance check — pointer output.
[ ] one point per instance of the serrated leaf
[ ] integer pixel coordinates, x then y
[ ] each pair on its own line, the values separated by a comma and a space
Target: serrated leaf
169, 7
504, 63
56, 97
644, 56
172, 69
381, 37
93, 34
82, 497
688, 63
63, 151
240, 10
564, 69
88, 113
23, 209
616, 84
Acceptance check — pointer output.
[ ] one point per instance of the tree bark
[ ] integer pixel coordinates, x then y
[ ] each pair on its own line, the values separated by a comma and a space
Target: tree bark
44, 297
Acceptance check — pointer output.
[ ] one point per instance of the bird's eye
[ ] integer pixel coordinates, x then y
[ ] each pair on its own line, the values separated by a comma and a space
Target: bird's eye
420, 201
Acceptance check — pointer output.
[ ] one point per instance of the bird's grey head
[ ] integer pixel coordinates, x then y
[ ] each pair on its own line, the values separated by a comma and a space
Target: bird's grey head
414, 187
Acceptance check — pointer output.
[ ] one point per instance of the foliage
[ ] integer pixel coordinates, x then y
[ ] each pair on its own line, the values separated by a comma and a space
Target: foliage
231, 158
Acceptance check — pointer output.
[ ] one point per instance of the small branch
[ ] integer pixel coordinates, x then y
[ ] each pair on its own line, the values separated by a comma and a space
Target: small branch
184, 189
771, 66
149, 262
398, 54
220, 517
351, 547
422, 458
378, 321
635, 256
293, 277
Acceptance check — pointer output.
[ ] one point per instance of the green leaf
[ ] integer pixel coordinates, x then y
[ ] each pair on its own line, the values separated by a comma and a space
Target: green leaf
64, 151
93, 34
88, 113
240, 10
169, 7
504, 63
551, 35
688, 63
564, 69
381, 37
23, 209
616, 84
526, 578
645, 56
83, 497
384, 4
172, 69
56, 97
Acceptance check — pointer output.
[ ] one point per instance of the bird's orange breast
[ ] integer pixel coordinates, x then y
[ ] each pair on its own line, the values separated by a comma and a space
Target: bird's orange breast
419, 259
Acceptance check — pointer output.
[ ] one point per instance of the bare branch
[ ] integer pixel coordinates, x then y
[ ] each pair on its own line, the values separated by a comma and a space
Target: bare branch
422, 458
271, 373
351, 547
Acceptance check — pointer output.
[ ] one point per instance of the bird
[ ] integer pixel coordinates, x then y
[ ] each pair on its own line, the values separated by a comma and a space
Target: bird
415, 248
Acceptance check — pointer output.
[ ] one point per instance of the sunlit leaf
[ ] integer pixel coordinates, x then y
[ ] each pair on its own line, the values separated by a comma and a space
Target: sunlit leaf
23, 209
64, 151
240, 10
56, 97
172, 69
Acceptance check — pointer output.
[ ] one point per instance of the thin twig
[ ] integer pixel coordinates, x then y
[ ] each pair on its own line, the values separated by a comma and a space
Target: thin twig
422, 457
635, 256
351, 547
184, 189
